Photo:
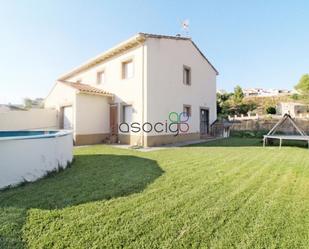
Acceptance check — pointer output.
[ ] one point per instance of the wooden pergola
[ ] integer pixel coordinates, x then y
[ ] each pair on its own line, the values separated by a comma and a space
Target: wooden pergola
271, 134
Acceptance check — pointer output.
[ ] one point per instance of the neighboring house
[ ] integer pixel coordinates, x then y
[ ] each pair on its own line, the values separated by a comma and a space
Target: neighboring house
292, 108
260, 92
143, 82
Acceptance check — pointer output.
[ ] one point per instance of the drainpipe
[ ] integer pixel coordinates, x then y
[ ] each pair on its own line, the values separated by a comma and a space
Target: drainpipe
143, 89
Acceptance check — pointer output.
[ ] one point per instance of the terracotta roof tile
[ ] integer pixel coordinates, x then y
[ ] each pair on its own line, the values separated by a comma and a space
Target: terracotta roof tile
84, 88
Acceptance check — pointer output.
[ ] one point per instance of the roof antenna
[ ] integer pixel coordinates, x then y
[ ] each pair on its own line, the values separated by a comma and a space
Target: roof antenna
185, 27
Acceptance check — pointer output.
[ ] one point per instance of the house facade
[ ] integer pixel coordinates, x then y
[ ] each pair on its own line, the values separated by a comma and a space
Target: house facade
149, 90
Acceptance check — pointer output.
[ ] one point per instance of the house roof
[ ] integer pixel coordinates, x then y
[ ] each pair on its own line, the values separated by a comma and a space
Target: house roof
124, 46
147, 35
83, 88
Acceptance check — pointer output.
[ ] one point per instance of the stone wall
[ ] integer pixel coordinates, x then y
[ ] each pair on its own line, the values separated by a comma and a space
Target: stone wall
267, 124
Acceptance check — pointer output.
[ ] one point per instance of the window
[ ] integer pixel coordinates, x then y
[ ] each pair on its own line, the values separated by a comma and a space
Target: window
79, 81
127, 114
187, 110
186, 75
127, 69
101, 77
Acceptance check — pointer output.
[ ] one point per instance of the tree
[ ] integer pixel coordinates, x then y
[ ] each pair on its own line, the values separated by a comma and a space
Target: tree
27, 102
33, 103
234, 103
223, 103
303, 85
238, 95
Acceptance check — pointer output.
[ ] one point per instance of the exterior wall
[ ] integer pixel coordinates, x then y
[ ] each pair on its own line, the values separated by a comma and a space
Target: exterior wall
29, 120
87, 139
29, 159
126, 91
91, 119
90, 113
158, 139
165, 89
60, 96
169, 139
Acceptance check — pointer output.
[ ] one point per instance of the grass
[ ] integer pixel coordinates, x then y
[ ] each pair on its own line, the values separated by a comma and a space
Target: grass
229, 193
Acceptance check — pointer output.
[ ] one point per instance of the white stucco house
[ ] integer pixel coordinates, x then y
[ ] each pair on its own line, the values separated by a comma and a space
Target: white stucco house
135, 92
292, 108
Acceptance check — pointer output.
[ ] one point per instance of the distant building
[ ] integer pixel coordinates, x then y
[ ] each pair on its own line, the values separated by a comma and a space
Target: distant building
292, 108
260, 92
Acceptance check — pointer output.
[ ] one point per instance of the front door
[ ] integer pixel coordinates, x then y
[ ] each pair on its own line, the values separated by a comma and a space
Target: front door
113, 119
204, 121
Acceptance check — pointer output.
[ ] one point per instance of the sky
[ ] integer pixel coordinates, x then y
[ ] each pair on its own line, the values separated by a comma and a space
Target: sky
251, 43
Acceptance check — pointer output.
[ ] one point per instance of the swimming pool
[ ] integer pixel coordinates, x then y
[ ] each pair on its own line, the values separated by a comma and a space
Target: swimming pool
25, 133
29, 155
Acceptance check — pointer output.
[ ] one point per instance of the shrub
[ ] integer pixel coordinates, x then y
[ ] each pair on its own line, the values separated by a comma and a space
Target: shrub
295, 96
249, 134
271, 110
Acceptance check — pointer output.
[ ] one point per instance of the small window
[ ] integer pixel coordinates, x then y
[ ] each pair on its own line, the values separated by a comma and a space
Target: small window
79, 81
127, 69
186, 75
101, 77
187, 110
127, 114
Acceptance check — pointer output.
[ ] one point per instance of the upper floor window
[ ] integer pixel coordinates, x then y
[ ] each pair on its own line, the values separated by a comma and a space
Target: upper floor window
101, 77
186, 75
127, 69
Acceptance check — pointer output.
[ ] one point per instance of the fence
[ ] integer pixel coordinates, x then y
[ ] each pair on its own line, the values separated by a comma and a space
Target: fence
267, 124
269, 116
31, 119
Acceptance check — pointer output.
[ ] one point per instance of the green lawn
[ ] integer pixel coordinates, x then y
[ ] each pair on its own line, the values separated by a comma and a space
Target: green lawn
229, 193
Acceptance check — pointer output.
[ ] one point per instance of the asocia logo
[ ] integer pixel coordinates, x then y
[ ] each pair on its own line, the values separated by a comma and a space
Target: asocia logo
176, 123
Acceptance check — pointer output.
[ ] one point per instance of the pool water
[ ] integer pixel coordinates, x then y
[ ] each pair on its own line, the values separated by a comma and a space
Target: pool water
25, 133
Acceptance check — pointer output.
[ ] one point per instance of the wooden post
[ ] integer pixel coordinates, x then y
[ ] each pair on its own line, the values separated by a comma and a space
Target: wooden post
280, 143
264, 141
